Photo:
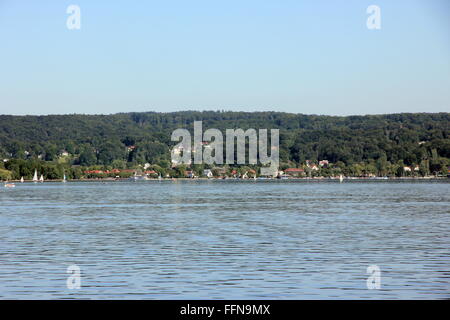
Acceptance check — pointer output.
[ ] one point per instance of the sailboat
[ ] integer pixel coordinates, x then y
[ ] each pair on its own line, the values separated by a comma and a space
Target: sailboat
35, 178
341, 178
21, 180
64, 178
159, 177
41, 179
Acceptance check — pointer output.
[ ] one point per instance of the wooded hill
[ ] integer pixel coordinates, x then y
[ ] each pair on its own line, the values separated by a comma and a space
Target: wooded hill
137, 138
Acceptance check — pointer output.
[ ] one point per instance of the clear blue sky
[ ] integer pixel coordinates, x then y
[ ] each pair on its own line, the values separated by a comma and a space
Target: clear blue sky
313, 57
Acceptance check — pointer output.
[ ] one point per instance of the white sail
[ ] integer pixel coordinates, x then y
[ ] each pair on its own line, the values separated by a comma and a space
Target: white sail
341, 178
64, 178
21, 180
41, 179
35, 178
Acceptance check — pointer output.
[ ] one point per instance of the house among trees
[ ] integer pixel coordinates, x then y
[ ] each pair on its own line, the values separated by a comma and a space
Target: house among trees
311, 165
323, 163
177, 150
208, 173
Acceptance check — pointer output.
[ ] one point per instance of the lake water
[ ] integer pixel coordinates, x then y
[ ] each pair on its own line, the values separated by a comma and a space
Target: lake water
225, 239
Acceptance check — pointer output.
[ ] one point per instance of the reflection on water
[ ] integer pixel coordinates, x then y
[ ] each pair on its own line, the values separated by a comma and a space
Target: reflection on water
225, 239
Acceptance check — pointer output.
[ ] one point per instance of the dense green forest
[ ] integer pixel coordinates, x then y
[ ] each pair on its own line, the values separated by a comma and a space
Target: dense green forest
354, 145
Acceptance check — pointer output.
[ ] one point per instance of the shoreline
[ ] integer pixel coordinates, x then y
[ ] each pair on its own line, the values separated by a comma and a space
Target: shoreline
317, 179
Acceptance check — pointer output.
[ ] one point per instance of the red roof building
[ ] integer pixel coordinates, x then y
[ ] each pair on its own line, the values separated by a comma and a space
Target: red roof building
93, 171
293, 171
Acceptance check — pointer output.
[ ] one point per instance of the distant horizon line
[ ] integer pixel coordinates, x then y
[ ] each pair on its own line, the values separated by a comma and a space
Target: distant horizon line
217, 111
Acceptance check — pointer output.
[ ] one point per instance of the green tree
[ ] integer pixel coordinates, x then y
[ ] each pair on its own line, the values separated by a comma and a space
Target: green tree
5, 174
87, 156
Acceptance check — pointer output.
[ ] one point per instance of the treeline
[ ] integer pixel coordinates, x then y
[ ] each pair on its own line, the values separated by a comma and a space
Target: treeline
126, 140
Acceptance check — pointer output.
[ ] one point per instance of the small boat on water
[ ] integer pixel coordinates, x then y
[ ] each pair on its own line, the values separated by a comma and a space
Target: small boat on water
64, 179
35, 178
341, 178
21, 180
41, 179
9, 185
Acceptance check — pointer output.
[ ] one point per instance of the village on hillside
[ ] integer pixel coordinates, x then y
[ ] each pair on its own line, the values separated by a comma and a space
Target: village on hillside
13, 169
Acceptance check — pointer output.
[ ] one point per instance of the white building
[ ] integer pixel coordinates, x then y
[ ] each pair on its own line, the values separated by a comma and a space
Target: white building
208, 173
324, 163
177, 150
